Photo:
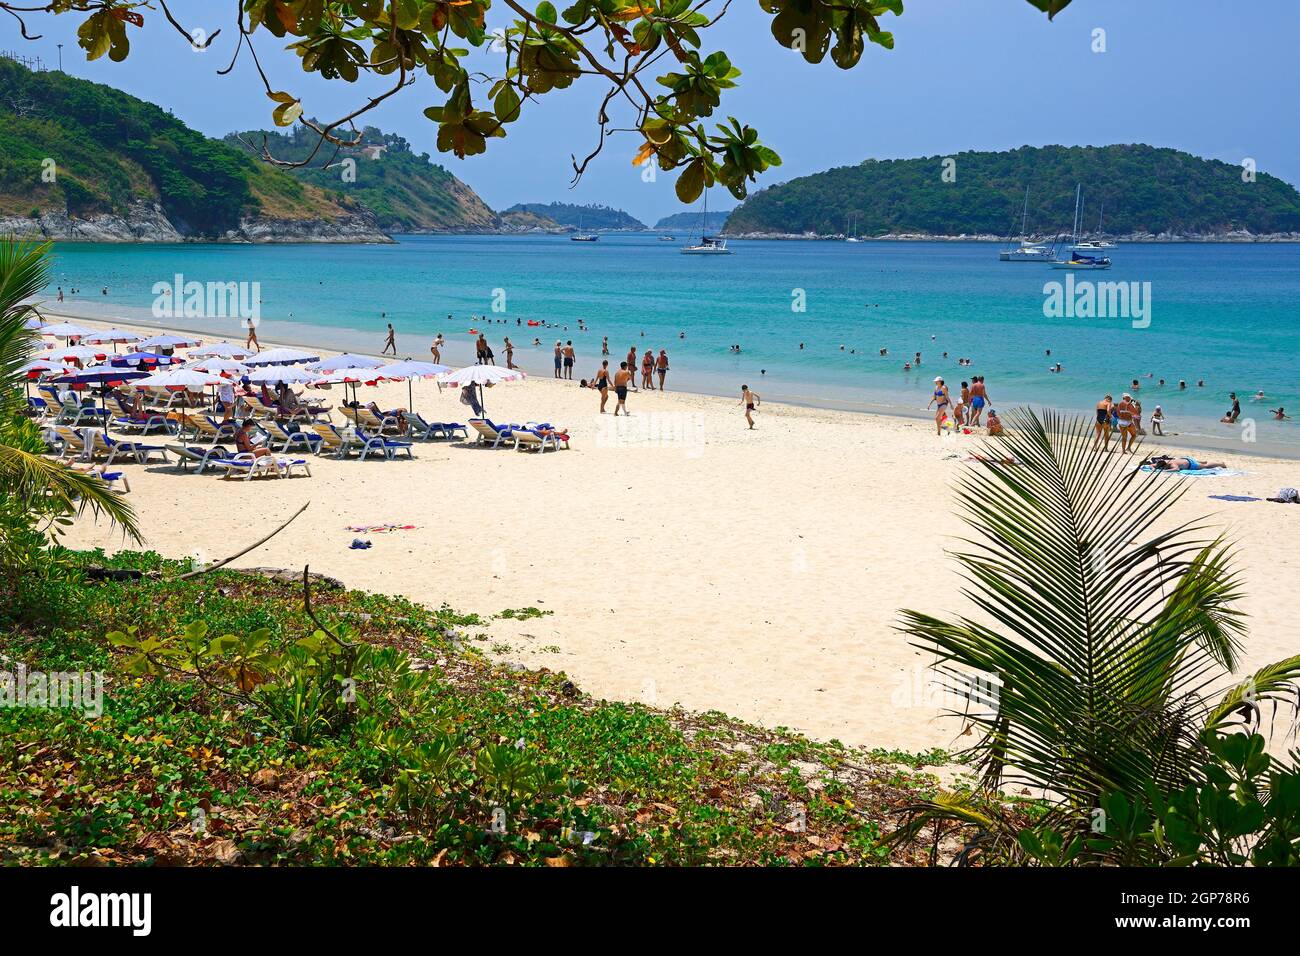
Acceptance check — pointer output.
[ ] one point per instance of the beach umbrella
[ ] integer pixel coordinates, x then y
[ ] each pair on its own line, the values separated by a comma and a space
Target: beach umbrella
411, 370
168, 342
66, 330
272, 375
346, 360
143, 358
102, 375
35, 369
111, 336
187, 378
481, 375
72, 353
99, 375
348, 378
219, 366
221, 350
42, 365
282, 357
33, 324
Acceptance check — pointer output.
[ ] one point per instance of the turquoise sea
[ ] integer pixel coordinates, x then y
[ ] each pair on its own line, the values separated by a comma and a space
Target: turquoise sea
1227, 314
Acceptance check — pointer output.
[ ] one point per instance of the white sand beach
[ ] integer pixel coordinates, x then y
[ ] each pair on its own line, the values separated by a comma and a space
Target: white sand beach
682, 557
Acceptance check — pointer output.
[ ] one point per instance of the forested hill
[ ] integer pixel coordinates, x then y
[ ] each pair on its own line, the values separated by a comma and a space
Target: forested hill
405, 190
1133, 189
593, 218
691, 219
84, 160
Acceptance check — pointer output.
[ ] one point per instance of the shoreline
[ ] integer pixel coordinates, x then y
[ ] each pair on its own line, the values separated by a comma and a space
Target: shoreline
346, 340
675, 557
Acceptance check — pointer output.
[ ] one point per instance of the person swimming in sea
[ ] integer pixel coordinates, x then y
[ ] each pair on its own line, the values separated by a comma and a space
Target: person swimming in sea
1279, 414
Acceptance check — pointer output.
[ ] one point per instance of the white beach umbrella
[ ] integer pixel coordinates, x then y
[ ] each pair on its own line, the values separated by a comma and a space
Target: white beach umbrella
41, 365
33, 324
188, 378
481, 375
282, 357
221, 350
112, 336
409, 370
72, 353
219, 366
168, 341
348, 377
66, 330
274, 374
346, 360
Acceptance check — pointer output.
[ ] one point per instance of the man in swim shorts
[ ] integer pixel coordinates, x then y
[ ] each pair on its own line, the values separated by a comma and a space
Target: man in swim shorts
621, 378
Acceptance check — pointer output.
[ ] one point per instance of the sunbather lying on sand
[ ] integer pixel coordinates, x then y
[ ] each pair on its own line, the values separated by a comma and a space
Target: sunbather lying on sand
1182, 463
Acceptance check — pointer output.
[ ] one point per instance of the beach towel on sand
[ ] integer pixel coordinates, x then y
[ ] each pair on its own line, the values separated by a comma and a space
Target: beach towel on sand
379, 528
1235, 498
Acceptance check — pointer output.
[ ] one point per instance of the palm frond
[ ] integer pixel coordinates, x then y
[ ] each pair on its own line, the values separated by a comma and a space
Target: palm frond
46, 486
1098, 623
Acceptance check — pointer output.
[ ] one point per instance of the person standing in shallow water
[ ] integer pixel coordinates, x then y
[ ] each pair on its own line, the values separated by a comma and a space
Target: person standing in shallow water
751, 401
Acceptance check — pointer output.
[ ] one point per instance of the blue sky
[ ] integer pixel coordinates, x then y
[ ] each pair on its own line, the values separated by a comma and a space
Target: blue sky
1218, 80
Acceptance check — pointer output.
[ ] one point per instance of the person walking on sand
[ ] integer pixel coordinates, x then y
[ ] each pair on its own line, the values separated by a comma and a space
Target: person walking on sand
391, 342
621, 379
939, 396
648, 370
662, 367
1101, 430
252, 342
510, 353
979, 397
631, 364
570, 357
601, 383
751, 401
436, 349
962, 411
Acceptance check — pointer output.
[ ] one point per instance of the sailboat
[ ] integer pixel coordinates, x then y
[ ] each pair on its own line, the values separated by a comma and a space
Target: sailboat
1094, 246
581, 236
1080, 260
1026, 251
708, 245
853, 237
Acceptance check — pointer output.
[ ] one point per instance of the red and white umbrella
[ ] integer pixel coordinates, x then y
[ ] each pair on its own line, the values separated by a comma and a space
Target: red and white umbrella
221, 350
482, 376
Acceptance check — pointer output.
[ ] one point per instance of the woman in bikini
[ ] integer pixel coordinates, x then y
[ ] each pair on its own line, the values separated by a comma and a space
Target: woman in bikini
601, 382
1101, 430
1182, 463
1127, 430
661, 365
941, 409
648, 370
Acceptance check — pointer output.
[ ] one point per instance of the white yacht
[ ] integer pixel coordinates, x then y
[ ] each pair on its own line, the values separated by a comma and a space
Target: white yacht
708, 245
1027, 250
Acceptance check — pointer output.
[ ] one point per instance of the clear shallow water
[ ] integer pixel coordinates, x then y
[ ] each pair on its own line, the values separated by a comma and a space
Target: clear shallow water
1227, 314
